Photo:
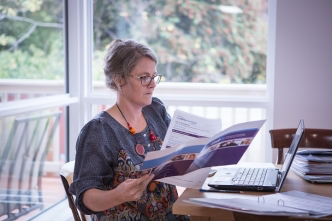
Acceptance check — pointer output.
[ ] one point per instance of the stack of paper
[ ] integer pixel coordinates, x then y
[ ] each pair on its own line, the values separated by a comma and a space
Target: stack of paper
314, 166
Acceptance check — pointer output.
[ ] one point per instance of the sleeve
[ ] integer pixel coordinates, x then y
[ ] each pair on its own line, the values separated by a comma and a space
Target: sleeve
92, 162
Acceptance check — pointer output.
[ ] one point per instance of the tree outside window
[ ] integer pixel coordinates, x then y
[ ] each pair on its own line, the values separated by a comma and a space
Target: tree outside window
214, 41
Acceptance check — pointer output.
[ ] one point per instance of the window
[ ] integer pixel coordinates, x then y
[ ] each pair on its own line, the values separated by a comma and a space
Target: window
212, 55
33, 129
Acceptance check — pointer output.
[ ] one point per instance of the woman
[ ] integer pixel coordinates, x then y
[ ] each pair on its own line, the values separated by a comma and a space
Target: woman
111, 147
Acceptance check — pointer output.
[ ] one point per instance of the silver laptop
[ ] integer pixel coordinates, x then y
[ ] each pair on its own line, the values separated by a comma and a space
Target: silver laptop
257, 179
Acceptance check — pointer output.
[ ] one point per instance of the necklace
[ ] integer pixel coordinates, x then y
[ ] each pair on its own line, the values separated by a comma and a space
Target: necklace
140, 148
133, 131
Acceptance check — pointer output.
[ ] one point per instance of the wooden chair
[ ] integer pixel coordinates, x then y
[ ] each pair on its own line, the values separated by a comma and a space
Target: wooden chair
312, 138
22, 163
66, 173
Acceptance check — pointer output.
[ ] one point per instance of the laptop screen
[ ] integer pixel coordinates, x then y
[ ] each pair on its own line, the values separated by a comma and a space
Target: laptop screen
291, 153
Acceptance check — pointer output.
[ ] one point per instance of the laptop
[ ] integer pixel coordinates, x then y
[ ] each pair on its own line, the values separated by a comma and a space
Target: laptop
257, 179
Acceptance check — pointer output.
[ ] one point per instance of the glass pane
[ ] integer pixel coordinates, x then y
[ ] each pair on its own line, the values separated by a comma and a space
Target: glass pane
31, 49
218, 41
32, 145
32, 149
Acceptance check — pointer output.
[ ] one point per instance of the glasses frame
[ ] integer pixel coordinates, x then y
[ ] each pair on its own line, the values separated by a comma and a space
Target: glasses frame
152, 78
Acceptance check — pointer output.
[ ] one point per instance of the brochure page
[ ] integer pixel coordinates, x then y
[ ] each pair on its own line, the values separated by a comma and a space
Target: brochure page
185, 127
188, 164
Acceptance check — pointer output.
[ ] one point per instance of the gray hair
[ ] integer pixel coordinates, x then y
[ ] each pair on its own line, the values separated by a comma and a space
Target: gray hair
121, 58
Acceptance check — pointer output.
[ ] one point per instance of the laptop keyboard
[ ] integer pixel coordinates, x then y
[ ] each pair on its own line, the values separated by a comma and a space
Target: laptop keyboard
250, 176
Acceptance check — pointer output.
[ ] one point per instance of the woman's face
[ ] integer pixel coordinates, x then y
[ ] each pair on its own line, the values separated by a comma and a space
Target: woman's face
133, 91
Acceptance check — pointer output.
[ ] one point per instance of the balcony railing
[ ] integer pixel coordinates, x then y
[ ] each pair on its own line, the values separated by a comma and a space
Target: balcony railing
232, 103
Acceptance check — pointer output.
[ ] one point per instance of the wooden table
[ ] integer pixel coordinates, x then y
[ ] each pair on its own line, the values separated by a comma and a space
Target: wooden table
203, 213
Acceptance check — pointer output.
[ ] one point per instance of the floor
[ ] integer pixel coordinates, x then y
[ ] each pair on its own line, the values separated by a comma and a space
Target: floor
53, 193
59, 212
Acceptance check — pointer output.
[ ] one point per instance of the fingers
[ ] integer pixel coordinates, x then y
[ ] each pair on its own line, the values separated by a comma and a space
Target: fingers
144, 172
141, 185
144, 180
132, 189
148, 180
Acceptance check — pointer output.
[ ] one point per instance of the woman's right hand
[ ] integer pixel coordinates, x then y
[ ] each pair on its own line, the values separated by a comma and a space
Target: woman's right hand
129, 190
132, 189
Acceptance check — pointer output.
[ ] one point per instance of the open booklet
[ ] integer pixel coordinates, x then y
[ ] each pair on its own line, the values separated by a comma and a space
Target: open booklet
188, 163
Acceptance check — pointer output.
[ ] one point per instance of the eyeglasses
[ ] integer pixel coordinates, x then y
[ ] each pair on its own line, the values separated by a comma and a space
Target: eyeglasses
146, 80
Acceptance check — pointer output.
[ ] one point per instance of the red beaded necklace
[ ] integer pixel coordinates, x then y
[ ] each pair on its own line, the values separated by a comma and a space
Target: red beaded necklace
133, 131
139, 148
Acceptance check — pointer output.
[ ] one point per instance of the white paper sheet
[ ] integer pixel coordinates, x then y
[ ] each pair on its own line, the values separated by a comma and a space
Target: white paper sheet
185, 127
192, 180
286, 203
249, 206
315, 204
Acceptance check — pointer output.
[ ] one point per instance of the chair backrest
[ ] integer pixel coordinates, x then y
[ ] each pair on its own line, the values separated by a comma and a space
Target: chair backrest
66, 173
22, 163
312, 138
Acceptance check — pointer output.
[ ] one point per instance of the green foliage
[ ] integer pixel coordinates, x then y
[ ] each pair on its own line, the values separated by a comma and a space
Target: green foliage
29, 50
13, 7
6, 40
194, 40
32, 64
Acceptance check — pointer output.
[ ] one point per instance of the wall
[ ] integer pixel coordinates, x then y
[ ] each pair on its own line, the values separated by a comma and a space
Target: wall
303, 64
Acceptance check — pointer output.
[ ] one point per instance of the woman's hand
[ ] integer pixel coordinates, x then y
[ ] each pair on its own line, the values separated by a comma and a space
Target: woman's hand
132, 189
129, 190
